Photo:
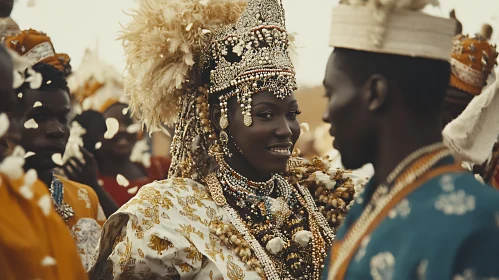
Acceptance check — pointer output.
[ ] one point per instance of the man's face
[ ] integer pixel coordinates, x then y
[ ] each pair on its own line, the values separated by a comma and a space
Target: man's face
348, 115
47, 110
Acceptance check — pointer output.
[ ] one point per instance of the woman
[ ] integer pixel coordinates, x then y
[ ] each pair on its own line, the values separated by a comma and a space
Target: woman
221, 71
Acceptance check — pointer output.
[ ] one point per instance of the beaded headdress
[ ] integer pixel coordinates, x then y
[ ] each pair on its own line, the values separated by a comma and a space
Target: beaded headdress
472, 60
252, 56
172, 46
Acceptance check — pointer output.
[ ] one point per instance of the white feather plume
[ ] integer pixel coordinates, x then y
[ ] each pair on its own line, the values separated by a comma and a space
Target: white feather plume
161, 52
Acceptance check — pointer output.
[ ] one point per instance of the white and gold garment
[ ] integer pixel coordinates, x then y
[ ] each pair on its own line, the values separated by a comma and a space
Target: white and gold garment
165, 232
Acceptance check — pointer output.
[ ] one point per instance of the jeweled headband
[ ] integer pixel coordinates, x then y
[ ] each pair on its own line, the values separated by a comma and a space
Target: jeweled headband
251, 56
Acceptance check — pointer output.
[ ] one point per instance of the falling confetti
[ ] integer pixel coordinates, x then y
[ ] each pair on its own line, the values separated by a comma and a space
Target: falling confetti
29, 179
20, 95
100, 182
4, 124
45, 203
57, 159
305, 127
98, 145
206, 31
18, 80
49, 82
133, 190
30, 124
122, 181
134, 128
29, 154
189, 26
124, 111
37, 104
12, 166
35, 79
112, 128
48, 261
26, 192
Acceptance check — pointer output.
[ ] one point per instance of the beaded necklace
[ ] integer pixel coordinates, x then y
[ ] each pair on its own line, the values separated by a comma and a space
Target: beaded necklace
57, 193
274, 223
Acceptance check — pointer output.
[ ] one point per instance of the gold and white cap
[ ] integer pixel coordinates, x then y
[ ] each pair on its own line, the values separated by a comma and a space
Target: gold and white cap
393, 27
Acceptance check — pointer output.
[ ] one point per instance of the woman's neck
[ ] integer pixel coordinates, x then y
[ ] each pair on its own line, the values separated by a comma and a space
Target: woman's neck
240, 165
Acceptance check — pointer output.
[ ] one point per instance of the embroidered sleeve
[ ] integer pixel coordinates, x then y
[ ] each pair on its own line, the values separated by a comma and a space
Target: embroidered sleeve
143, 242
333, 189
478, 257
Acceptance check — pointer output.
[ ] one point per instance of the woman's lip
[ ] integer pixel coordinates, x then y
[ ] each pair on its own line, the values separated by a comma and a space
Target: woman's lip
281, 154
286, 145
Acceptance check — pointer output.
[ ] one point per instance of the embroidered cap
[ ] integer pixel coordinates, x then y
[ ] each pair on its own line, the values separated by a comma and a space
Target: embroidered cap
392, 27
472, 61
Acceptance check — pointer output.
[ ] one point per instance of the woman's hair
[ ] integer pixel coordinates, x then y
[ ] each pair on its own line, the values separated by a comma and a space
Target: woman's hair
52, 78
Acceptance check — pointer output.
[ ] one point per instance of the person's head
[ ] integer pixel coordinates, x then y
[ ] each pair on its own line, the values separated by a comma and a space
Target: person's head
266, 144
95, 126
472, 61
7, 102
6, 8
121, 145
43, 115
369, 92
487, 31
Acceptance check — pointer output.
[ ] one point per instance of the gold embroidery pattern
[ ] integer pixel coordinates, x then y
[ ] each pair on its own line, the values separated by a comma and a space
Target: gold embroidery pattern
234, 272
213, 250
186, 230
159, 244
193, 254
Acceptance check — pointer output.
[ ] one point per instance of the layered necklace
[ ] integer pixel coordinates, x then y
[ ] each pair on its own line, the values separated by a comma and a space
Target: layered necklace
57, 193
280, 223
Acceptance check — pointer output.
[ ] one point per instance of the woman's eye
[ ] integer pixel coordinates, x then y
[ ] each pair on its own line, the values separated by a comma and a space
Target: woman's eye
265, 115
292, 114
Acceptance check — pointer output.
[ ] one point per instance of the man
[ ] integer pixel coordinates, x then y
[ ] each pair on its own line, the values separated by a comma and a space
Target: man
34, 241
42, 110
470, 111
421, 216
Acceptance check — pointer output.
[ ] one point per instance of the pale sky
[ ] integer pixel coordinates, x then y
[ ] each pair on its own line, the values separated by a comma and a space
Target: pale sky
75, 25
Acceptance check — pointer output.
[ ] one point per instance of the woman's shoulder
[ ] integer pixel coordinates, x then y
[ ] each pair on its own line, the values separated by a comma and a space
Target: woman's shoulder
333, 189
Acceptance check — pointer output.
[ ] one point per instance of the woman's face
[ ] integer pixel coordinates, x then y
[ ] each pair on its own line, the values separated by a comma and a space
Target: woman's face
266, 144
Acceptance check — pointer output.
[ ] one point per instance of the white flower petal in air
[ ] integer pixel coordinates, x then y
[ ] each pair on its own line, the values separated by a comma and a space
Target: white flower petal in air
98, 145
19, 152
18, 80
57, 159
4, 124
189, 26
29, 154
37, 104
31, 124
133, 190
124, 111
205, 31
122, 181
30, 177
12, 166
26, 192
48, 261
305, 127
134, 128
20, 95
86, 104
303, 238
49, 82
112, 128
35, 79
45, 203
75, 142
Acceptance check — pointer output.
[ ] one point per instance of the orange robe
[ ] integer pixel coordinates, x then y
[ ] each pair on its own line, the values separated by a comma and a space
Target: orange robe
34, 242
88, 218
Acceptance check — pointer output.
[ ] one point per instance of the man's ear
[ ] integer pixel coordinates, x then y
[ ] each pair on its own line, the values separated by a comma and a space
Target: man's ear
215, 114
376, 92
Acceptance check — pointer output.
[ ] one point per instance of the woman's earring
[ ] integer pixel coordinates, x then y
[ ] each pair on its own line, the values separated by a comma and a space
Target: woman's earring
224, 139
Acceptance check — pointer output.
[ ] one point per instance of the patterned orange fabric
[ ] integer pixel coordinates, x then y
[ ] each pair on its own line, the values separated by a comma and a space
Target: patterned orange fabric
36, 47
472, 61
85, 225
34, 244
